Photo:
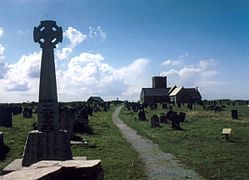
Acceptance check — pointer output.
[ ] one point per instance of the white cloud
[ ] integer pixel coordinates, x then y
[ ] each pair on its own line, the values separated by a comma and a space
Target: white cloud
78, 78
170, 63
21, 75
87, 74
75, 36
1, 31
97, 32
64, 53
175, 62
201, 74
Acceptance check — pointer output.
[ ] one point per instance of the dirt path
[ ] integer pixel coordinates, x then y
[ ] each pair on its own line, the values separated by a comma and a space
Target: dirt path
159, 165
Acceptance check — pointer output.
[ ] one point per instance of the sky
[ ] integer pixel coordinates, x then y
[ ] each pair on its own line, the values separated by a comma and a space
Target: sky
113, 48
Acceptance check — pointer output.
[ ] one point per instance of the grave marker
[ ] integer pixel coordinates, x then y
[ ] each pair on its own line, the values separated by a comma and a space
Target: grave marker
48, 142
226, 132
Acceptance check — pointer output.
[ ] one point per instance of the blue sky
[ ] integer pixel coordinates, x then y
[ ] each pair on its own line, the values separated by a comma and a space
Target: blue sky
113, 48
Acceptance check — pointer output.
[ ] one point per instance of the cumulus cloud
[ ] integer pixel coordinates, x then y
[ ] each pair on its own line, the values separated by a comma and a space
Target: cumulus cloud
20, 76
97, 32
88, 74
194, 74
75, 37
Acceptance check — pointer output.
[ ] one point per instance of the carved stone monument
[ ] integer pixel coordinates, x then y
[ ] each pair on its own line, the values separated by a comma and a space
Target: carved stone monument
48, 142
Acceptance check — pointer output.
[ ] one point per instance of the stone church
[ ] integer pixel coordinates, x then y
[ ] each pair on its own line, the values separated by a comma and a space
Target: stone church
160, 93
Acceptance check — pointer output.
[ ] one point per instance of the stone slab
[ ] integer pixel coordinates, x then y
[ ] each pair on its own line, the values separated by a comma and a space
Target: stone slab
226, 131
69, 169
14, 166
31, 173
17, 164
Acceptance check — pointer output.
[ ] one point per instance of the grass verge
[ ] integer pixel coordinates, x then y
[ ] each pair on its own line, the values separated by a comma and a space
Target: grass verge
200, 145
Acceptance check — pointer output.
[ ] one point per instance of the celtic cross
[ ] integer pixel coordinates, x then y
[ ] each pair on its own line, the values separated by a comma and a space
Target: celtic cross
48, 34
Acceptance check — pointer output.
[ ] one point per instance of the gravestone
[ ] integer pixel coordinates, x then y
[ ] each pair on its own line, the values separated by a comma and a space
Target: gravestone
3, 148
182, 116
175, 121
5, 116
81, 124
163, 118
154, 121
27, 113
17, 110
179, 105
234, 114
141, 115
48, 142
67, 121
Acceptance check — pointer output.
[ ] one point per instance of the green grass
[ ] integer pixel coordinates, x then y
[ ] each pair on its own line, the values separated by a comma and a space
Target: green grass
201, 146
119, 160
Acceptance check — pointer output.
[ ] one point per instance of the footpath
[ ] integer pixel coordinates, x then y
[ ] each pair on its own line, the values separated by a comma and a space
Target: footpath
159, 165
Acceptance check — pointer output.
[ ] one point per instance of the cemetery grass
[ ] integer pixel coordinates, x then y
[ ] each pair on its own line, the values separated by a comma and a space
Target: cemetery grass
118, 159
201, 146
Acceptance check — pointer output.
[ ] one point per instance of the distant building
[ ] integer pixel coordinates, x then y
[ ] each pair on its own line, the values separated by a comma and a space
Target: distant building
184, 95
159, 82
160, 93
154, 95
95, 100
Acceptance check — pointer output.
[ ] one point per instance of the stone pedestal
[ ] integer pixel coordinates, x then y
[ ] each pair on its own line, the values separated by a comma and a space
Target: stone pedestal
53, 145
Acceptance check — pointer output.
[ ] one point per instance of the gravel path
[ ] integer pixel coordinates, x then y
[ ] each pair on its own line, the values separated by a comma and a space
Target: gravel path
159, 165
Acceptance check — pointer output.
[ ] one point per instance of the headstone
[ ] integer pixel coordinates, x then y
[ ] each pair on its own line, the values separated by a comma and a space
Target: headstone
17, 110
27, 113
48, 142
169, 115
179, 105
234, 114
5, 116
163, 118
190, 106
3, 148
141, 115
81, 124
67, 121
154, 121
182, 116
175, 122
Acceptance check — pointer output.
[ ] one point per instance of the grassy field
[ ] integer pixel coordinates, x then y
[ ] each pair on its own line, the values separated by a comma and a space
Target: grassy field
119, 160
200, 145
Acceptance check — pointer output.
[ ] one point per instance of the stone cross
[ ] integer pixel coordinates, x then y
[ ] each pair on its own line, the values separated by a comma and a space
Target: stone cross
48, 34
48, 142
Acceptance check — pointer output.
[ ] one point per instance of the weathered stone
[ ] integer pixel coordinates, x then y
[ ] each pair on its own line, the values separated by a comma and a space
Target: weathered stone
3, 148
53, 145
154, 121
67, 121
60, 170
6, 116
234, 114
